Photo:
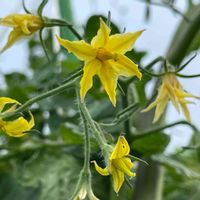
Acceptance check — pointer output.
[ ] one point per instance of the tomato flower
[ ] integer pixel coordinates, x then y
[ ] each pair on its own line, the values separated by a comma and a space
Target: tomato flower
104, 57
18, 127
171, 90
22, 24
119, 164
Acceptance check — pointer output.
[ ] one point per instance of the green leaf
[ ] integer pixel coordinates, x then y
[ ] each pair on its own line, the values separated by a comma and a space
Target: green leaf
178, 166
151, 144
70, 134
55, 175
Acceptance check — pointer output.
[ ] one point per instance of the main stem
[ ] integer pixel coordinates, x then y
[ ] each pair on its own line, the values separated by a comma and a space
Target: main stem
86, 166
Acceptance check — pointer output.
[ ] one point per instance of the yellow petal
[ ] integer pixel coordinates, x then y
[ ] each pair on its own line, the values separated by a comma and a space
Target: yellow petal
12, 38
90, 69
121, 43
80, 49
173, 96
126, 67
160, 109
24, 27
122, 166
127, 162
150, 106
162, 94
6, 100
8, 21
18, 127
121, 149
103, 172
185, 111
101, 39
108, 77
118, 179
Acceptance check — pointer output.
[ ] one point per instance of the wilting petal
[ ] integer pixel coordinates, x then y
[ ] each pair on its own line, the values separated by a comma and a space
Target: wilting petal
119, 164
121, 149
8, 21
160, 109
185, 111
14, 35
90, 69
121, 43
101, 39
18, 127
118, 179
80, 49
126, 67
103, 172
172, 95
108, 77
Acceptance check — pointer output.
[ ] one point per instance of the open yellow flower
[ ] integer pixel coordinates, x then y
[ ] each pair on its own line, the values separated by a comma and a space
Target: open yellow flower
22, 24
119, 164
104, 57
17, 127
171, 90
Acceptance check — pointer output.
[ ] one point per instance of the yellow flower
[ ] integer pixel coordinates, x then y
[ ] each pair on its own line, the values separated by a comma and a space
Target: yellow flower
118, 164
17, 127
22, 24
104, 57
171, 90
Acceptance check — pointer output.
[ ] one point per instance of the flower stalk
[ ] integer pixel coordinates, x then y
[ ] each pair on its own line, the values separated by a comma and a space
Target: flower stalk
98, 135
44, 95
83, 187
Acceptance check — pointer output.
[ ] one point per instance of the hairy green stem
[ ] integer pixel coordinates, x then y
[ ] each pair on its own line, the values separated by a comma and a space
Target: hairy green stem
63, 23
44, 95
85, 175
99, 136
87, 143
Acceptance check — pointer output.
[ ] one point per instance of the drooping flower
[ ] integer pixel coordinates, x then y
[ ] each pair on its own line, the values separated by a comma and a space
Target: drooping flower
104, 57
22, 24
18, 127
118, 164
85, 193
171, 90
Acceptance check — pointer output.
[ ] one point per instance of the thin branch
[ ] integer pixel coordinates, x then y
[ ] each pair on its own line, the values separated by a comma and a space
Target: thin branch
157, 130
169, 6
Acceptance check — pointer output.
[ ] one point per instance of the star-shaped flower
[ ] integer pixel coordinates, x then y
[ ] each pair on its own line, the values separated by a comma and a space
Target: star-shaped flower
18, 127
22, 24
104, 57
171, 90
119, 164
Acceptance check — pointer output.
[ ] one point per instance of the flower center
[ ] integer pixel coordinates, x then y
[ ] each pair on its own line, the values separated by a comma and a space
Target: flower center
103, 54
